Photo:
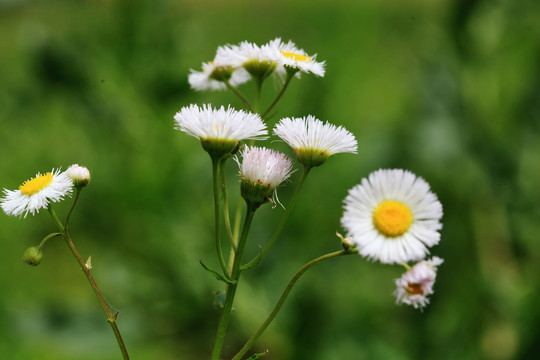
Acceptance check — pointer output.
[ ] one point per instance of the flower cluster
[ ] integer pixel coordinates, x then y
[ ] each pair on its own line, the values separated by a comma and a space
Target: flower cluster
234, 65
392, 216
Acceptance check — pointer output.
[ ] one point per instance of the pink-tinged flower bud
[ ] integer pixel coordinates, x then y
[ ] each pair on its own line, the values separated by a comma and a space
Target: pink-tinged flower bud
79, 175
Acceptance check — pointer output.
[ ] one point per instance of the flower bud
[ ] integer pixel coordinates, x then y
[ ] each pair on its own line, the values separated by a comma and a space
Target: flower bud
262, 171
79, 175
32, 256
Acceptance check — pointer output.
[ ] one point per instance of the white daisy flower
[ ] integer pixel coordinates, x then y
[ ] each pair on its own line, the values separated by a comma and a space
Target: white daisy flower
414, 286
259, 62
79, 175
314, 141
262, 170
35, 194
213, 75
392, 216
221, 129
295, 58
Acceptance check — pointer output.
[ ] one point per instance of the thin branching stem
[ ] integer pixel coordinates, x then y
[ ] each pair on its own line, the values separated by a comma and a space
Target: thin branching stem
239, 94
111, 319
278, 96
283, 297
283, 220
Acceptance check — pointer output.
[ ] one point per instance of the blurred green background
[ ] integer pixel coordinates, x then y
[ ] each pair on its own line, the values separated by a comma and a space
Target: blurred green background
447, 89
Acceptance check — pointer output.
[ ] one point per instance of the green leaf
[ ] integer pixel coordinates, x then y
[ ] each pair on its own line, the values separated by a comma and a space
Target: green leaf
257, 356
216, 274
256, 261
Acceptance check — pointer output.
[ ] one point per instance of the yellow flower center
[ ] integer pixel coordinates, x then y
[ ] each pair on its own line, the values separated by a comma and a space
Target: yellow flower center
35, 185
392, 218
295, 56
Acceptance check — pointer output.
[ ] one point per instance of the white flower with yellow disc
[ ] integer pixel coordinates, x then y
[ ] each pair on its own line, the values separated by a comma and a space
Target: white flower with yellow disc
36, 193
392, 216
295, 58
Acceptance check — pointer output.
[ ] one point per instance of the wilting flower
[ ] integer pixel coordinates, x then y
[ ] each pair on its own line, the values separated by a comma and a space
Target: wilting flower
36, 193
219, 130
313, 141
414, 286
392, 216
262, 170
294, 58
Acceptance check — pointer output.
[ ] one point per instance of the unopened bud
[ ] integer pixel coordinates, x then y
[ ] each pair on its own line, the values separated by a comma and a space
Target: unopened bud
32, 256
79, 175
346, 242
88, 263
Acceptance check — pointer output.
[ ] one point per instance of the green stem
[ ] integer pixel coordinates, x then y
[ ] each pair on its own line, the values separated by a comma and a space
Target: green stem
284, 217
236, 229
231, 288
110, 317
283, 297
215, 178
226, 203
239, 94
258, 87
290, 75
78, 192
50, 236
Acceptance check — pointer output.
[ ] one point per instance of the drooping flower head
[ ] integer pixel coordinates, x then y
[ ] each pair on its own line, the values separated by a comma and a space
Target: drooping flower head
392, 216
214, 75
219, 130
314, 141
260, 62
262, 170
414, 286
36, 193
295, 59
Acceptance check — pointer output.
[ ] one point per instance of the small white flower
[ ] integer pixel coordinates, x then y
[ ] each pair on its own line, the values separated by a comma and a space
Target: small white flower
293, 57
259, 62
35, 194
208, 78
313, 141
78, 174
264, 166
238, 55
392, 216
226, 124
414, 286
